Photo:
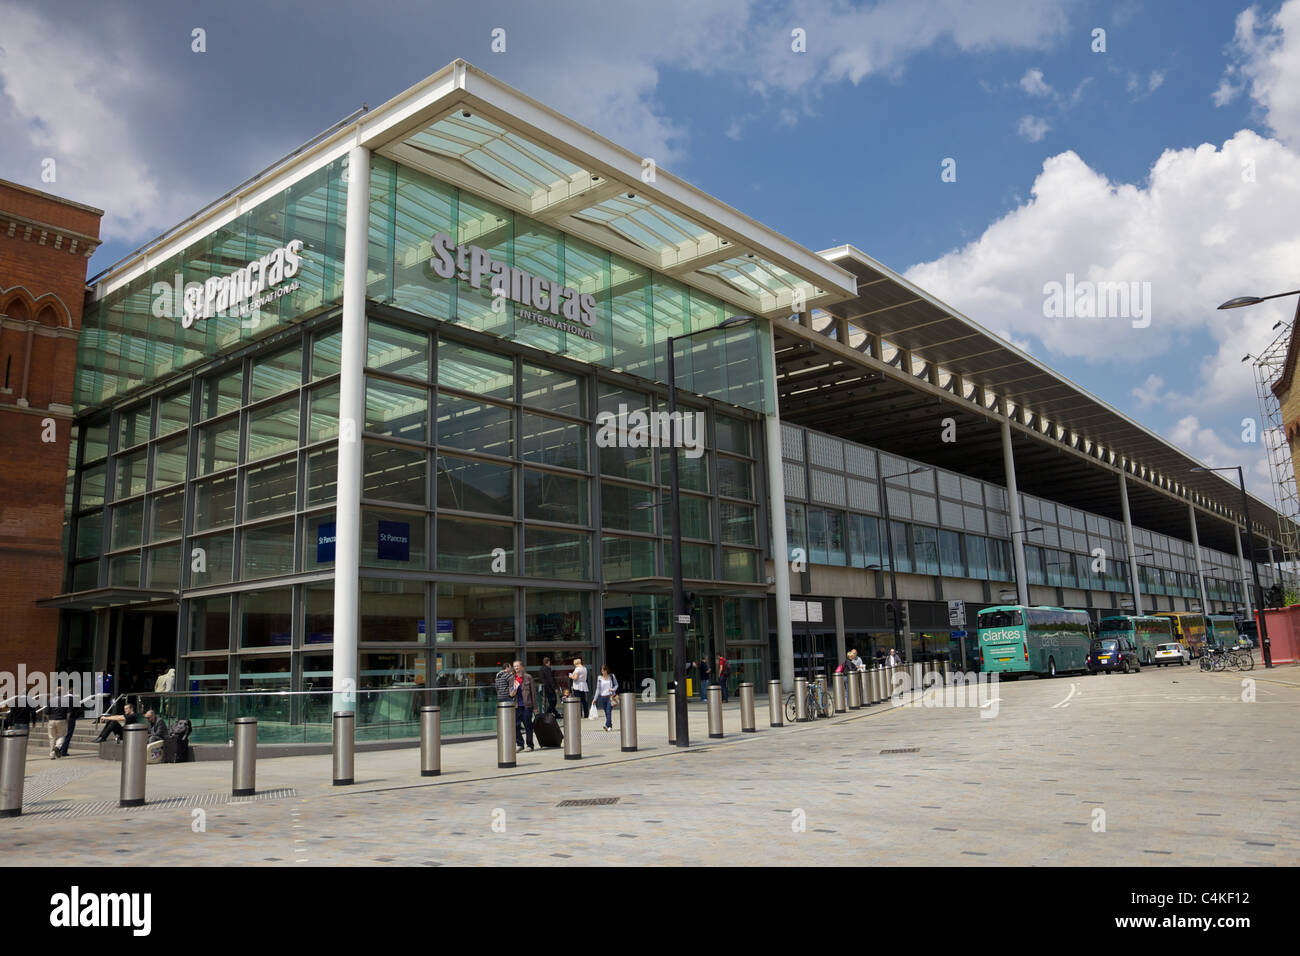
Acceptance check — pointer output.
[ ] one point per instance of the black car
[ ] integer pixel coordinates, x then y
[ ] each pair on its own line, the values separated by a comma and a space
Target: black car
1112, 654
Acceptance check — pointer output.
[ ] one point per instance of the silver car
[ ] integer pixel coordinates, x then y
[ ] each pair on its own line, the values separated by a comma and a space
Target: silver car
1171, 654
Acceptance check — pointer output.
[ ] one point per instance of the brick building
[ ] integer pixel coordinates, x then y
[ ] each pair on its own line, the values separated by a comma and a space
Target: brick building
44, 244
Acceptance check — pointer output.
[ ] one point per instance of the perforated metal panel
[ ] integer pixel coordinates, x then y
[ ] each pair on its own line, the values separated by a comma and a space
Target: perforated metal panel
796, 485
827, 488
791, 442
997, 522
864, 496
825, 452
900, 504
924, 509
860, 461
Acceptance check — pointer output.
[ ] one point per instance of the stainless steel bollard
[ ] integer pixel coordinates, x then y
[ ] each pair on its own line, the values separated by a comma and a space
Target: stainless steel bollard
747, 709
840, 694
430, 740
505, 734
873, 681
801, 700
714, 694
13, 767
243, 775
852, 690
345, 745
945, 672
135, 744
775, 711
672, 718
627, 722
572, 728
917, 672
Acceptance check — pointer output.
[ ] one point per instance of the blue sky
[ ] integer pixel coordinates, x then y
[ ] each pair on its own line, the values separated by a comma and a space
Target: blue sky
1124, 165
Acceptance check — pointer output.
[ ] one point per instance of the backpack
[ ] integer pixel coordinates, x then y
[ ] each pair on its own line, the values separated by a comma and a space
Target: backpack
182, 729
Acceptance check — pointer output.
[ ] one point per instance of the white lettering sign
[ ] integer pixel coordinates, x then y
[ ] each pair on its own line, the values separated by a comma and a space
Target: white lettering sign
241, 291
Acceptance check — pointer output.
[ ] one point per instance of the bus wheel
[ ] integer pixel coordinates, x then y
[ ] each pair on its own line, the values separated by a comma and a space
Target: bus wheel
1051, 667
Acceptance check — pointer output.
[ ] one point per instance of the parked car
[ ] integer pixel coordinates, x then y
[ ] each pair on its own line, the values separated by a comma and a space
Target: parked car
1171, 654
1112, 654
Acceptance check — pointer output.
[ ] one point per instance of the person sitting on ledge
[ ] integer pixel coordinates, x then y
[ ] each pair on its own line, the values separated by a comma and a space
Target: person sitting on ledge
115, 723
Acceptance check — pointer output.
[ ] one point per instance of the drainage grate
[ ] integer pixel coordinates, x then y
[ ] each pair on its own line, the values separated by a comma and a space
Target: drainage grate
903, 750
589, 802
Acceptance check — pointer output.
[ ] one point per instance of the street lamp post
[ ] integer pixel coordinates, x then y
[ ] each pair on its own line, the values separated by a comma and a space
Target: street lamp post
1250, 535
680, 616
889, 547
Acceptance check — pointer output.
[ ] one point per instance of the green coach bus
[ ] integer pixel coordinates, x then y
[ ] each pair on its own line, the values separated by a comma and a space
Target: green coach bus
1221, 631
1145, 632
1015, 640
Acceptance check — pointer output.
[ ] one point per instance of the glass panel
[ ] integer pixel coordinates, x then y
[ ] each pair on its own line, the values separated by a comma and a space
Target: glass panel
222, 393
473, 370
735, 478
319, 540
169, 461
131, 471
465, 485
133, 427
624, 558
392, 539
215, 562
557, 616
92, 487
739, 565
397, 350
472, 425
276, 373
902, 558
549, 497
168, 519
210, 625
268, 549
554, 391
864, 542
627, 508
396, 410
795, 533
90, 532
694, 517
926, 549
475, 612
270, 489
214, 502
617, 457
218, 446
549, 441
164, 567
128, 520
95, 439
826, 537
697, 561
392, 610
323, 413
326, 353
468, 546
394, 474
692, 473
265, 620
950, 555
318, 615
124, 571
552, 553
733, 435
322, 475
173, 412
273, 429
738, 525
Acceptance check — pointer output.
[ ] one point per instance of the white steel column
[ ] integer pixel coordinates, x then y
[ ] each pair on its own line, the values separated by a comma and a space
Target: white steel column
347, 507
780, 543
1243, 576
1196, 550
1013, 509
1132, 548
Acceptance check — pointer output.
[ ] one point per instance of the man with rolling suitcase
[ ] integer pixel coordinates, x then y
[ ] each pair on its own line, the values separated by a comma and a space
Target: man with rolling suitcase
524, 693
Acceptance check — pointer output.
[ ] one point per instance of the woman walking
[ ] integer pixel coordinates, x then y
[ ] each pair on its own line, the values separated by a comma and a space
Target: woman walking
606, 688
578, 684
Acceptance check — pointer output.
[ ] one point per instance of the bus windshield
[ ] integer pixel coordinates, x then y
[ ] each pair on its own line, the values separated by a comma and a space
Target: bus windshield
991, 619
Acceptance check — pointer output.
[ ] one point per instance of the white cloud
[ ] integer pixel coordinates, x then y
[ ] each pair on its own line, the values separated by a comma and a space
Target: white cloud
1150, 392
1032, 128
1211, 447
1032, 83
1266, 60
1196, 231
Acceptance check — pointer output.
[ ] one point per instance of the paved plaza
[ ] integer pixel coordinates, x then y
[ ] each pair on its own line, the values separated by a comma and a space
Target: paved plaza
1169, 766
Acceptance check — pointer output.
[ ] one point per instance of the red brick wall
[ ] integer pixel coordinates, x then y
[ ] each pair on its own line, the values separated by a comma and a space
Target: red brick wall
34, 472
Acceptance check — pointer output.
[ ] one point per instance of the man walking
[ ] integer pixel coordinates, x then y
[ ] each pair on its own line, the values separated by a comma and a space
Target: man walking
724, 673
550, 687
58, 722
503, 680
524, 694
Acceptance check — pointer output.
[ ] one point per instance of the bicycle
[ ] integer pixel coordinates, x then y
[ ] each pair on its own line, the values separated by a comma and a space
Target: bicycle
820, 703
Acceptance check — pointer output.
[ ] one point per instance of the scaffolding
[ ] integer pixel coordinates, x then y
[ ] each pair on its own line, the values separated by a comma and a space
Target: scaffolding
1286, 497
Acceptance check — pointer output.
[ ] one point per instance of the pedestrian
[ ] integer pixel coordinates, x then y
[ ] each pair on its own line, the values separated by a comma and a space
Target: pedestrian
724, 673
702, 668
550, 687
74, 711
850, 662
606, 688
115, 723
157, 726
524, 694
57, 726
503, 680
578, 684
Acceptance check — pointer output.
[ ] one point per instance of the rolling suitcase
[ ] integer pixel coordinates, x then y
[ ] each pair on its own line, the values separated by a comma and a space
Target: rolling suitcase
547, 731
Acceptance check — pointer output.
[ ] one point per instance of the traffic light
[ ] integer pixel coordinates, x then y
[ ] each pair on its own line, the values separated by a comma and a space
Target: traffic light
904, 617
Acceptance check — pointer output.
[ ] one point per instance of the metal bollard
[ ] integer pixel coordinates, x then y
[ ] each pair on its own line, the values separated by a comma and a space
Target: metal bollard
873, 680
853, 688
672, 718
775, 712
13, 767
135, 744
243, 775
345, 745
801, 700
945, 672
918, 671
572, 728
627, 722
715, 711
430, 740
506, 734
839, 693
747, 709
